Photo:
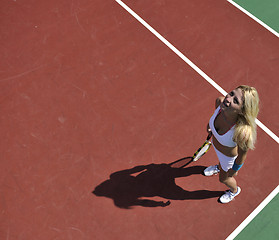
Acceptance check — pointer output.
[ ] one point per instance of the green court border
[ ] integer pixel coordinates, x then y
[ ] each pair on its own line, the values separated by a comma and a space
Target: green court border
264, 225
256, 13
267, 11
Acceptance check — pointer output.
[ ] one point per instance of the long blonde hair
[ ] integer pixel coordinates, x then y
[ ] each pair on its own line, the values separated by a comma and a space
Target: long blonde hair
245, 134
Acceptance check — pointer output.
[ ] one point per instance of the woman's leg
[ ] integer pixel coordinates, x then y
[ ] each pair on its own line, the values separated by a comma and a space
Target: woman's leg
230, 182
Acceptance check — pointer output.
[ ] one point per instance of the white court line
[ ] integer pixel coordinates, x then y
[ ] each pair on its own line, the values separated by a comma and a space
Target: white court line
175, 50
270, 133
253, 214
254, 18
191, 64
215, 85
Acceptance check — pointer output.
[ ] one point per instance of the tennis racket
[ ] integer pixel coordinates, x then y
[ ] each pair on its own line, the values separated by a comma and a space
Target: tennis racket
203, 149
183, 162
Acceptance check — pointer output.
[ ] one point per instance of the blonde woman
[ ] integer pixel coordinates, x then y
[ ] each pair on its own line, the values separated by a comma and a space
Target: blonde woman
233, 131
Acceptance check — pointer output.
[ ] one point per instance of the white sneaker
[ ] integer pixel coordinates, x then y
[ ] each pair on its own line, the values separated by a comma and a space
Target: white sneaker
229, 196
211, 170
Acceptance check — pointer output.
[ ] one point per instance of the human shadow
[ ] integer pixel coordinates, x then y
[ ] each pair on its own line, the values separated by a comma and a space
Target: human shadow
133, 187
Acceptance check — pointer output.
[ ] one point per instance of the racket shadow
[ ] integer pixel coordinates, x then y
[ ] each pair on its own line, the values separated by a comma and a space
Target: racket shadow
135, 186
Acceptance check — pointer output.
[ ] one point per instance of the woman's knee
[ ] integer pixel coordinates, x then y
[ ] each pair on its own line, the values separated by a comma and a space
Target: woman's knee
223, 179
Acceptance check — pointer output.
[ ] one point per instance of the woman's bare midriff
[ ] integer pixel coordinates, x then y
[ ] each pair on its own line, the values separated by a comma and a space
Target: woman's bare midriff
228, 151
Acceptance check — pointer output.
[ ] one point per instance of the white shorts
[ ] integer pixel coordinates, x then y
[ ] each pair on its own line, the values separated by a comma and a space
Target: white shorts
225, 161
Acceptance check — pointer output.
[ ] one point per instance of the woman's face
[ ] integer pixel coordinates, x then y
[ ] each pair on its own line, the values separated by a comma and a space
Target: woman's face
233, 102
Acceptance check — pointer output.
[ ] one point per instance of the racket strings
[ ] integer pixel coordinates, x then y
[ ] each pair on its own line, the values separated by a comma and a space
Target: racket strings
201, 151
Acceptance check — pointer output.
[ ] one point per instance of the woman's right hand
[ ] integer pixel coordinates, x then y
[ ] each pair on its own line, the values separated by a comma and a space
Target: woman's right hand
209, 132
208, 129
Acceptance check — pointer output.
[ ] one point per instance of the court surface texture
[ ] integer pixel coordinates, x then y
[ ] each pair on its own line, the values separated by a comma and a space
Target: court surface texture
94, 105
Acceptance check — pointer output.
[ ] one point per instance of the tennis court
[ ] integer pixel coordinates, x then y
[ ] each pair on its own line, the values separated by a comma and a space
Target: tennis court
97, 99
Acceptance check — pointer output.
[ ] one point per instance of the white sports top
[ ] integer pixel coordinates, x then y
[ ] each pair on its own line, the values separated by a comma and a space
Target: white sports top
225, 139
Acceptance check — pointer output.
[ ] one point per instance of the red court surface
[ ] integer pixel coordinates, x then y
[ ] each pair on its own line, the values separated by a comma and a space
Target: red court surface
87, 91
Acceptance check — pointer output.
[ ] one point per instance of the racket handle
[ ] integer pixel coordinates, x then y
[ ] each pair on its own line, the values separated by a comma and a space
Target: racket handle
209, 136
